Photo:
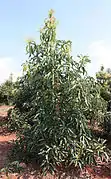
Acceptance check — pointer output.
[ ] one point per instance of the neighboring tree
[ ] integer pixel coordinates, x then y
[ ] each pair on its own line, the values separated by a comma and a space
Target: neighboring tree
6, 91
54, 100
104, 79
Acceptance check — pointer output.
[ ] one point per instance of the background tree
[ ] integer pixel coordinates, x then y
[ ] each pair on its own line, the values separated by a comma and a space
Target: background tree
104, 79
6, 91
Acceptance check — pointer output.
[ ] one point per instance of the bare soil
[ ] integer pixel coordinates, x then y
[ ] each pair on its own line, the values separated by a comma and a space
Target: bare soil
102, 171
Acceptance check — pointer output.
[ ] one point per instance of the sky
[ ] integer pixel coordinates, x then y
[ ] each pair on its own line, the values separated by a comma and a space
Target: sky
86, 23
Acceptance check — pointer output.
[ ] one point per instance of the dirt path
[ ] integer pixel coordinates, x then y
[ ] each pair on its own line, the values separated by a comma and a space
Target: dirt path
6, 142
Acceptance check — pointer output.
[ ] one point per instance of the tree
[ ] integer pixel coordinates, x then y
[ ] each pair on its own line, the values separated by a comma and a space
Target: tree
6, 91
104, 78
54, 100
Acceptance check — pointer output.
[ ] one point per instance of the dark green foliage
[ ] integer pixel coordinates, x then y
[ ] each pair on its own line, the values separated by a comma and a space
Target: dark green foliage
12, 168
6, 91
104, 78
107, 123
54, 101
14, 123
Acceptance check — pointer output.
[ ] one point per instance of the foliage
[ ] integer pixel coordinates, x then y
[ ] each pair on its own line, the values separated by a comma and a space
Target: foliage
54, 101
104, 78
12, 168
6, 91
107, 123
13, 122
